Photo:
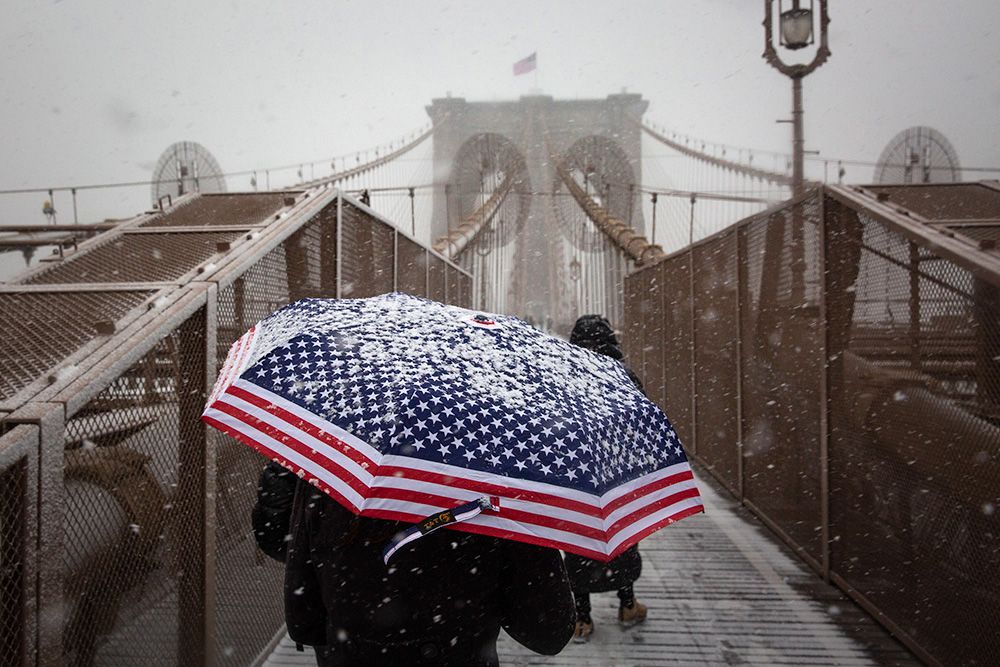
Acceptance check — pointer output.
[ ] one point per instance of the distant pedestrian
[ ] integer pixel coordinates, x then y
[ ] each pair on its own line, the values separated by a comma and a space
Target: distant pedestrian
587, 576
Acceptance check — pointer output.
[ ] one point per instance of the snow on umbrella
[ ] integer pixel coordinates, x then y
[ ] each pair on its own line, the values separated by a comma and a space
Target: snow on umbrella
399, 407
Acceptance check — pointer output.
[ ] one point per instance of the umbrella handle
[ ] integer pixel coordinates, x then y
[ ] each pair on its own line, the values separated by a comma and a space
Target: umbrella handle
437, 521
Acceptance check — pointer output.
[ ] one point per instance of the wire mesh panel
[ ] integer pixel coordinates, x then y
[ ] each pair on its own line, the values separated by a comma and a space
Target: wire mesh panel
715, 332
128, 530
963, 201
230, 209
132, 258
464, 290
649, 355
915, 437
249, 607
41, 329
311, 257
634, 305
654, 331
436, 278
781, 366
986, 236
12, 584
677, 346
912, 395
367, 254
383, 259
253, 296
411, 267
249, 602
15, 535
142, 492
451, 285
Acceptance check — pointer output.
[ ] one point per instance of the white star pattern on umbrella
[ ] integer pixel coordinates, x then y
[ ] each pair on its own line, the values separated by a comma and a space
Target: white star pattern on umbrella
411, 393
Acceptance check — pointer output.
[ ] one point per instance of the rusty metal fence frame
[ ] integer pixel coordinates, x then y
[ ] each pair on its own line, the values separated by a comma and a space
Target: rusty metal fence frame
766, 427
162, 358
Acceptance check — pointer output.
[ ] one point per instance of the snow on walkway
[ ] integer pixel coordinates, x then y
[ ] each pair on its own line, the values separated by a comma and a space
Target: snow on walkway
721, 590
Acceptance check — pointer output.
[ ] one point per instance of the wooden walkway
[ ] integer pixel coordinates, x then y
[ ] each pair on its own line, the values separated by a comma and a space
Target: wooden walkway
721, 590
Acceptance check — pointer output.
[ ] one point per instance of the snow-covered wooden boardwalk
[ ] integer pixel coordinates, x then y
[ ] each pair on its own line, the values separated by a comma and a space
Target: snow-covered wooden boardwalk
721, 590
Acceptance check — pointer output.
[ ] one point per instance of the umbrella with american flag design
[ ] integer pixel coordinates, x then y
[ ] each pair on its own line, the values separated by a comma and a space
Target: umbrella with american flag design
406, 409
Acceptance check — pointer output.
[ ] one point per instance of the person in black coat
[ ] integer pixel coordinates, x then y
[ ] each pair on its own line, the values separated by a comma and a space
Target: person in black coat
441, 601
588, 576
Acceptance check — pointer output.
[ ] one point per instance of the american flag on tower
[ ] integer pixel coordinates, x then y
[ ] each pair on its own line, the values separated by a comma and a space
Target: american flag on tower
526, 65
400, 408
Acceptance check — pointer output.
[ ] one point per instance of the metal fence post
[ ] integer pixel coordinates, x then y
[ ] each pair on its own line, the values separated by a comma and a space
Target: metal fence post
49, 607
196, 489
413, 214
824, 421
694, 331
19, 555
340, 245
297, 261
239, 305
211, 476
395, 259
739, 258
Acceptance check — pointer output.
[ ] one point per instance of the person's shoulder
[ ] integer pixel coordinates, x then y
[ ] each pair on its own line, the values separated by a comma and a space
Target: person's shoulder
632, 376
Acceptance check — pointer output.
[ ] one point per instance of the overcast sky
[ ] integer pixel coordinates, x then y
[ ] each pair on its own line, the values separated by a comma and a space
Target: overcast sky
94, 91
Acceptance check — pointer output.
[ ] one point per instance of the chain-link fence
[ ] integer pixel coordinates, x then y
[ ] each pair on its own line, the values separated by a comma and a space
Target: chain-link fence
16, 536
132, 460
156, 557
915, 437
835, 363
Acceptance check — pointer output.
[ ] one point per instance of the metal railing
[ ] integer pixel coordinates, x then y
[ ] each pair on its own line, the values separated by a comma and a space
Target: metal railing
835, 363
124, 523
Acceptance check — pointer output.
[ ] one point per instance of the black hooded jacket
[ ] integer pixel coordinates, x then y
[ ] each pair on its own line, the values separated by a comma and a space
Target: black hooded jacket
595, 333
441, 601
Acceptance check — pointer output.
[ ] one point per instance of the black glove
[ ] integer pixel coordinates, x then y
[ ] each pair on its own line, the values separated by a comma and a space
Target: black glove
272, 513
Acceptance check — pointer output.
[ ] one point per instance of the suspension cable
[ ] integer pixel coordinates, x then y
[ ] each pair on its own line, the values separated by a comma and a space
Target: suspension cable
368, 166
753, 172
635, 245
459, 238
660, 134
233, 174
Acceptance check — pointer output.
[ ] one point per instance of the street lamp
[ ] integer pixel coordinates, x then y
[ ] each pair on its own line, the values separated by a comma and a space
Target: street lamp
796, 32
797, 28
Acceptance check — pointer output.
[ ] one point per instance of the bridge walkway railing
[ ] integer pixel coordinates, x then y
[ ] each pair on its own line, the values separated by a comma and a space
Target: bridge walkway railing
721, 590
124, 521
835, 363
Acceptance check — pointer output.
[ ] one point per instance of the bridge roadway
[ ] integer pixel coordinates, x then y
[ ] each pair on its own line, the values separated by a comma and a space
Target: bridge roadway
721, 590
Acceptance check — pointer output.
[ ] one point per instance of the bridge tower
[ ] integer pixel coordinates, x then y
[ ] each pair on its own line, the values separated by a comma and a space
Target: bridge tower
602, 136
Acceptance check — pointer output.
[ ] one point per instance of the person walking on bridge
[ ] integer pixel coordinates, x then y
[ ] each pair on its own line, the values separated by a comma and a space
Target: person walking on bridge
440, 604
587, 576
404, 416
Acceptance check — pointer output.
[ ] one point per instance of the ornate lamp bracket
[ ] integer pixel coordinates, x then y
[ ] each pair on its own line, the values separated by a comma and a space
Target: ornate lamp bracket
771, 55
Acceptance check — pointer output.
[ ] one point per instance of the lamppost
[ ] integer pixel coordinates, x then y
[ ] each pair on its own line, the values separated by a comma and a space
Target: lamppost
796, 32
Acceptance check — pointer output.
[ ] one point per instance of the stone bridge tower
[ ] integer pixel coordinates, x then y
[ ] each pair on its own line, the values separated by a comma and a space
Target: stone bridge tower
601, 137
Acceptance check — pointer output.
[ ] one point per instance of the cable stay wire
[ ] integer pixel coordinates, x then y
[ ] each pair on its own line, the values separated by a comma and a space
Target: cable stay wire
674, 139
360, 168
